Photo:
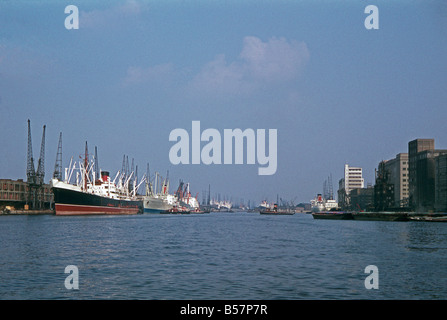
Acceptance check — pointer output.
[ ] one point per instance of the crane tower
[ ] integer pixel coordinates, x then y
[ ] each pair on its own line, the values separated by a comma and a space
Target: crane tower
35, 178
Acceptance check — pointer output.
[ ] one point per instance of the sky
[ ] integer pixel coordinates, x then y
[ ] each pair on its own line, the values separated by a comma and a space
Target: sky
336, 92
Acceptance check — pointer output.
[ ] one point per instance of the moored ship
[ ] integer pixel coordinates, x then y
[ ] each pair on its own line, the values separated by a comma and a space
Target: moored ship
320, 204
185, 199
158, 202
317, 204
90, 196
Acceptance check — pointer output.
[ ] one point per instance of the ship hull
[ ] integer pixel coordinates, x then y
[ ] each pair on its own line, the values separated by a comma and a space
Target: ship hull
332, 215
276, 213
156, 205
380, 216
73, 202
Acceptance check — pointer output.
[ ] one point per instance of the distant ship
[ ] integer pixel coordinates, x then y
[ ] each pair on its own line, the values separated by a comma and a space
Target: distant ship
90, 196
154, 202
319, 204
222, 206
158, 203
276, 211
185, 199
162, 202
264, 206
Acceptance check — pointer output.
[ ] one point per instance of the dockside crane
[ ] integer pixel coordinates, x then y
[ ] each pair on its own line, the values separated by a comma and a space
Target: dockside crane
30, 171
40, 173
35, 178
57, 174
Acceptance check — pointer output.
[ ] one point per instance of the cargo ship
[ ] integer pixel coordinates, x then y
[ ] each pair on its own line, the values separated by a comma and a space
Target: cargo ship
91, 196
186, 200
320, 204
158, 202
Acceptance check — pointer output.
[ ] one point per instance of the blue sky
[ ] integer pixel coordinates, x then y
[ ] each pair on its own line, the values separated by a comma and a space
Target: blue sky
135, 70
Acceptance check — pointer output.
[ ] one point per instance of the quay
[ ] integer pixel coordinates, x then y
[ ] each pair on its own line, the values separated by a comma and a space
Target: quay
8, 212
381, 216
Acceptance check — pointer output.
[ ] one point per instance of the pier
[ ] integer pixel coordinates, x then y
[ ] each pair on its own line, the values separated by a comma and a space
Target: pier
381, 216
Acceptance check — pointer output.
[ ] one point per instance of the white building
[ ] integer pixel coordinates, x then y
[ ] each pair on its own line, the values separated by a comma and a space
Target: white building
353, 178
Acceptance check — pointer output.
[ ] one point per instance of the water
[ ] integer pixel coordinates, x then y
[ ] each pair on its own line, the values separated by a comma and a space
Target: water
220, 256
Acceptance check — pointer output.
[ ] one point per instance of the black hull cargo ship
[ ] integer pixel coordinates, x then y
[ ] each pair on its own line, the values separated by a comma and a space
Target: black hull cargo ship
94, 196
76, 202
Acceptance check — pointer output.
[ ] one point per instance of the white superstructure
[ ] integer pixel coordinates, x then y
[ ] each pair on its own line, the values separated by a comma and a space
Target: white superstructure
158, 200
122, 187
319, 204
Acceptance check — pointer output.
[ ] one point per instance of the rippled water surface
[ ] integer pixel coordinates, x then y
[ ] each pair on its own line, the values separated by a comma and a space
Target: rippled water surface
220, 256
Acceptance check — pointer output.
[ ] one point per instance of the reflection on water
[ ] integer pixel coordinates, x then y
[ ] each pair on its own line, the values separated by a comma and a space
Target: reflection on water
220, 256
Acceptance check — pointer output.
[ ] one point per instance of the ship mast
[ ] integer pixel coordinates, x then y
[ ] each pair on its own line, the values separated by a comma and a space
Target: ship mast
85, 166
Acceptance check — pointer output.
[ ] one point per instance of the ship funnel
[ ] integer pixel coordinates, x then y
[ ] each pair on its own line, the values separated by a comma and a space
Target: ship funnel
105, 176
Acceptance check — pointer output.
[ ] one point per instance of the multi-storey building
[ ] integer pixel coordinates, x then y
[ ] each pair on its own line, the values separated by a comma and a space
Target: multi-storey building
383, 188
353, 179
398, 169
362, 199
414, 147
391, 189
441, 183
423, 175
17, 193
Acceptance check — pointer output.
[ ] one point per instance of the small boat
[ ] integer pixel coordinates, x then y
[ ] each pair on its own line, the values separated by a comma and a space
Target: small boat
177, 210
275, 212
429, 218
199, 211
334, 215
